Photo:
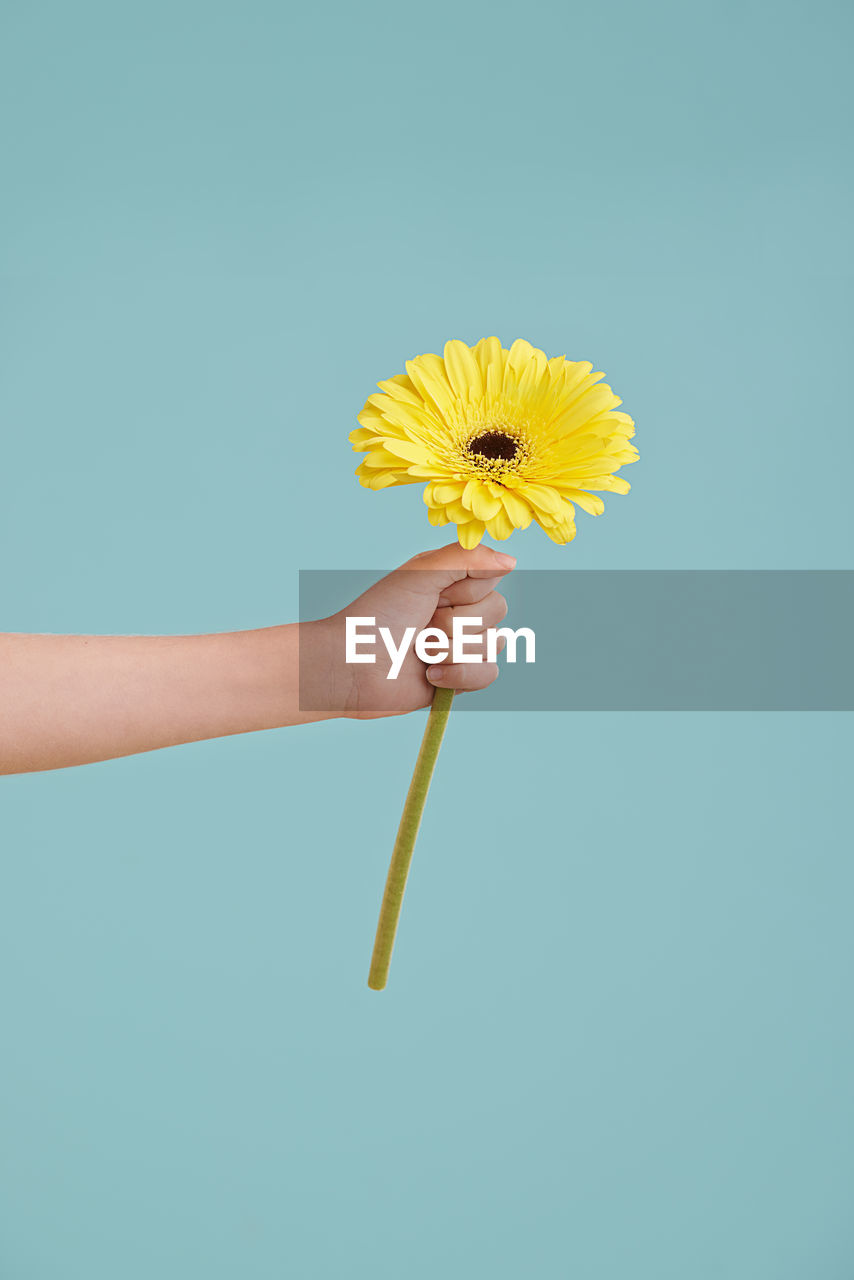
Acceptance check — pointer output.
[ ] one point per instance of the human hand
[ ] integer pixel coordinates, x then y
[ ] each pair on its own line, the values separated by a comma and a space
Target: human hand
427, 591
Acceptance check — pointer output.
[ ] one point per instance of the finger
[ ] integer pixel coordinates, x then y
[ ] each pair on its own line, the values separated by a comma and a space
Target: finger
476, 647
491, 610
468, 590
463, 676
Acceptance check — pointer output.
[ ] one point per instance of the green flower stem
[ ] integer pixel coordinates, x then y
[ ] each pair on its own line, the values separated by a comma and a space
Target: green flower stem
406, 835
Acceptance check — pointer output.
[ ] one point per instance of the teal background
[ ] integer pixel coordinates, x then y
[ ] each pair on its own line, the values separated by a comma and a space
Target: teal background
617, 1040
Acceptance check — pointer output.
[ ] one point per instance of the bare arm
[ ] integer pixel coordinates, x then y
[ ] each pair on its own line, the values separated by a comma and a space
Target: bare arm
67, 700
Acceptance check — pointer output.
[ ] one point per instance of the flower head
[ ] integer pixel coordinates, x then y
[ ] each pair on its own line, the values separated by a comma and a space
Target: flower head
501, 437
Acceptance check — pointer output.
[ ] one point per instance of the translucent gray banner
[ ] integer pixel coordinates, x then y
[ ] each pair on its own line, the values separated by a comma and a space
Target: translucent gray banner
640, 640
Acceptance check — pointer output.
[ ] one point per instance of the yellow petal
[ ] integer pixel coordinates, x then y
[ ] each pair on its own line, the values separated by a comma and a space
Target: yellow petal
470, 534
560, 526
489, 352
517, 509
500, 526
457, 512
614, 423
370, 417
543, 497
479, 500
533, 383
412, 421
362, 437
494, 381
428, 375
409, 450
588, 502
593, 401
606, 428
449, 491
607, 484
577, 375
575, 381
430, 471
462, 371
520, 355
401, 388
381, 459
561, 533
439, 493
381, 479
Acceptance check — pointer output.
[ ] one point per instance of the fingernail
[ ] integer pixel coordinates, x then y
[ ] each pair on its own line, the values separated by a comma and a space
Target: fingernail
435, 673
507, 561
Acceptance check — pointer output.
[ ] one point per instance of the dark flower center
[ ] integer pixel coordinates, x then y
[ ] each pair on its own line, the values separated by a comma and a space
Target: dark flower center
494, 445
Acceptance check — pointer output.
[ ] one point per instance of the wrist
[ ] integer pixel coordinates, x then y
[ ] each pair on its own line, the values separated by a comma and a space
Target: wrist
273, 676
324, 684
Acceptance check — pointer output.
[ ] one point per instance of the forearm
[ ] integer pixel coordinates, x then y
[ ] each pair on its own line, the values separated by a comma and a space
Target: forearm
68, 700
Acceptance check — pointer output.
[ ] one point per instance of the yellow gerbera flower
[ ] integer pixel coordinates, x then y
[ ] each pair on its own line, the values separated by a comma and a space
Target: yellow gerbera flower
502, 438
